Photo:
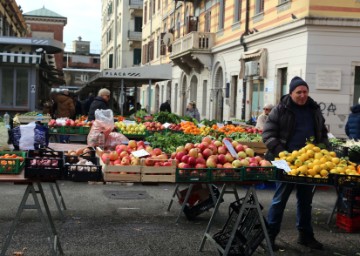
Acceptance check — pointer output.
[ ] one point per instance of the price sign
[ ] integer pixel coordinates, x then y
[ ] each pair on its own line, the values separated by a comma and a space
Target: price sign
231, 149
127, 122
330, 136
220, 125
166, 125
140, 153
281, 164
200, 125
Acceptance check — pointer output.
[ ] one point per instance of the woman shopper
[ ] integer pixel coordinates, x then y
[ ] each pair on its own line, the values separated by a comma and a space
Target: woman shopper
192, 111
100, 102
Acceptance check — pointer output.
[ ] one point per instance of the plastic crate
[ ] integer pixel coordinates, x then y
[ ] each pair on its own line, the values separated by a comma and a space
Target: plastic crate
340, 151
259, 173
354, 156
84, 129
191, 212
341, 180
35, 168
12, 165
348, 224
55, 130
193, 175
249, 233
70, 129
227, 174
80, 172
283, 176
349, 203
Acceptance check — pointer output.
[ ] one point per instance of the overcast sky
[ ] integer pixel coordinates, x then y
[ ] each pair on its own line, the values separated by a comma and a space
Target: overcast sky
83, 19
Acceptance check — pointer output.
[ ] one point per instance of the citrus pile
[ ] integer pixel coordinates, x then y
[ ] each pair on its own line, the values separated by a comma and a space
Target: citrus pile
312, 161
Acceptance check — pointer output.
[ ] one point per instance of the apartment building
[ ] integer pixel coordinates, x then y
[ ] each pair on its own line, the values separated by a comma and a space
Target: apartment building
232, 57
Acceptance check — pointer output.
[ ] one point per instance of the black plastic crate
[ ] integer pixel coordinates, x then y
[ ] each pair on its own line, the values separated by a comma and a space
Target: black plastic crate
249, 233
341, 180
349, 203
191, 175
259, 173
283, 176
340, 150
82, 172
44, 165
354, 155
191, 212
226, 174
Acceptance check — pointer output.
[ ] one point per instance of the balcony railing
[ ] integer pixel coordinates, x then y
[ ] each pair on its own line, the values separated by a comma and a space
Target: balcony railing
136, 4
134, 35
195, 41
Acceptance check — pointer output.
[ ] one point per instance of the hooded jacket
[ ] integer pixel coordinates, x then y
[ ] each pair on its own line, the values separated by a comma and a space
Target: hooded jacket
98, 103
65, 106
352, 127
279, 127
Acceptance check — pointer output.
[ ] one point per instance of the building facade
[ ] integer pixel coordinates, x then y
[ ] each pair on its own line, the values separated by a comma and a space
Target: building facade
233, 57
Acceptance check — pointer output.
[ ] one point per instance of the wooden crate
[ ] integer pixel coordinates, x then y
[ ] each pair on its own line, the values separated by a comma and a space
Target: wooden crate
158, 173
28, 119
129, 173
258, 147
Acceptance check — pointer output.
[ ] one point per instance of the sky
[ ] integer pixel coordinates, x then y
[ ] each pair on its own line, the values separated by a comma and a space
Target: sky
83, 19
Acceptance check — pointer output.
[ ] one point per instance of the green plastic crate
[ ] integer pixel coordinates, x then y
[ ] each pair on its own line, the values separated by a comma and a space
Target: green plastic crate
84, 129
11, 165
259, 173
226, 174
190, 175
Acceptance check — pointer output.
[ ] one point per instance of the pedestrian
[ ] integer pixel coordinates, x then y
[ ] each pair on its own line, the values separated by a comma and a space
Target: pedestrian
87, 103
262, 118
192, 111
78, 107
100, 102
165, 106
294, 120
64, 108
352, 127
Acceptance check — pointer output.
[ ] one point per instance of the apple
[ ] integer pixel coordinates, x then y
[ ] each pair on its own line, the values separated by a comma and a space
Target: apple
126, 160
148, 149
200, 166
229, 157
242, 154
217, 143
265, 163
179, 155
105, 157
113, 155
117, 162
149, 162
213, 148
156, 151
132, 143
236, 163
183, 165
249, 152
189, 146
239, 148
185, 159
192, 161
162, 156
222, 159
234, 143
253, 164
200, 160
193, 152
207, 152
206, 139
222, 150
244, 162
203, 145
180, 149
210, 162
123, 154
219, 166
227, 165
134, 161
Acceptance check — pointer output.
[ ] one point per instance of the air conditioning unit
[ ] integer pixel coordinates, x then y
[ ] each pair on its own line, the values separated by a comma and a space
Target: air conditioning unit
251, 68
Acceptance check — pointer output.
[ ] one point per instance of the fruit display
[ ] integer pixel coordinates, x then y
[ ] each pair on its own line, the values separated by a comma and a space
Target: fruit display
69, 122
154, 126
11, 162
190, 128
175, 127
135, 129
205, 130
312, 161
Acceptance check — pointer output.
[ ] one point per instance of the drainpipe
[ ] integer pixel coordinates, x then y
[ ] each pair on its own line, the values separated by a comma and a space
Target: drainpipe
246, 32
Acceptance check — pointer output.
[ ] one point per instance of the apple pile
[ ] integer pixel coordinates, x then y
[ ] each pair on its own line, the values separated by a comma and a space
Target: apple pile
175, 127
214, 154
69, 122
154, 126
253, 130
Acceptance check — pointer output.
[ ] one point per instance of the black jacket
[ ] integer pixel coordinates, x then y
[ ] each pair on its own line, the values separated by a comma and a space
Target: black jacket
352, 127
165, 107
279, 126
98, 103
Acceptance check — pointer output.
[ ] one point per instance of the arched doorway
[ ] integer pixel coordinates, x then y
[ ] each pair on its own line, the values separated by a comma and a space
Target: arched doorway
218, 97
157, 98
193, 88
183, 95
168, 91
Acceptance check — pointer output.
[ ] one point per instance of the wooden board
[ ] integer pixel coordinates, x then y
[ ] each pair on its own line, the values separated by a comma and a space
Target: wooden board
158, 173
258, 147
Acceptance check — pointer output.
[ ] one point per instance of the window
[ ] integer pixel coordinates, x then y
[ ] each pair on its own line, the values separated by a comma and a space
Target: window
138, 24
158, 41
137, 56
95, 61
222, 14
176, 97
14, 84
145, 12
282, 74
207, 21
203, 111
237, 10
110, 60
233, 95
159, 1
356, 86
259, 6
154, 6
119, 25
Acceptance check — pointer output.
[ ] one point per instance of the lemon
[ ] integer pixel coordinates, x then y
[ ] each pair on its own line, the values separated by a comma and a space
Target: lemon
316, 149
324, 173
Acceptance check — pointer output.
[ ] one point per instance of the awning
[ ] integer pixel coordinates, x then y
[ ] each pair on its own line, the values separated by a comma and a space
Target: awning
258, 54
20, 57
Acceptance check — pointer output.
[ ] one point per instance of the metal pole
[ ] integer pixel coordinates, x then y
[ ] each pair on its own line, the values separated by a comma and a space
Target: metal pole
122, 97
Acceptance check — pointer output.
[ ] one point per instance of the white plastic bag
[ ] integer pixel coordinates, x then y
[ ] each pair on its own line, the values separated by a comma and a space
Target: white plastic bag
105, 115
27, 138
4, 137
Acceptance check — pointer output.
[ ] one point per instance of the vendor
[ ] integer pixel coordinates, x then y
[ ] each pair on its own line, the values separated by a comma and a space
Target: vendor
262, 118
100, 102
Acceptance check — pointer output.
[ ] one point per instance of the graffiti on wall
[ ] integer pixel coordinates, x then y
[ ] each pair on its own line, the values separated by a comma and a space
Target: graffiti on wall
327, 108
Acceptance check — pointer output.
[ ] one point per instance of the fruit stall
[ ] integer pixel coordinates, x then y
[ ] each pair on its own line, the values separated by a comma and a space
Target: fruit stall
193, 155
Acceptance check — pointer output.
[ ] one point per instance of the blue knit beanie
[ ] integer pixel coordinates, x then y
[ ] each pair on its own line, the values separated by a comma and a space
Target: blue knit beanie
295, 82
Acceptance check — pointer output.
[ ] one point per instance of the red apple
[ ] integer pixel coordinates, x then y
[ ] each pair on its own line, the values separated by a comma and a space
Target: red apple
192, 161
105, 157
207, 152
156, 151
200, 160
239, 148
185, 159
149, 162
227, 165
229, 157
113, 155
132, 143
200, 166
179, 155
210, 162
222, 150
221, 159
193, 152
207, 139
189, 146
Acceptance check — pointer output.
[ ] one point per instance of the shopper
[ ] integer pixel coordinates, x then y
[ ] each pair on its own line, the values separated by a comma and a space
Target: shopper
294, 120
262, 118
100, 102
352, 127
192, 111
87, 103
165, 106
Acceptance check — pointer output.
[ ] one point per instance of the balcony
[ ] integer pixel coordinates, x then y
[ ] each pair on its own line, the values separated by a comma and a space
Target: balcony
134, 35
135, 4
193, 51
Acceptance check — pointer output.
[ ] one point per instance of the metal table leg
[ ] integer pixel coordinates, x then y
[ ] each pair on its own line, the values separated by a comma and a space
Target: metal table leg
337, 202
58, 206
187, 196
173, 196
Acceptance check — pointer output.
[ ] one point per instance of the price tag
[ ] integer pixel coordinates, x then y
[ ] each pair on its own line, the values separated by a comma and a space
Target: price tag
200, 125
220, 125
140, 153
127, 122
331, 136
166, 125
183, 121
281, 164
231, 149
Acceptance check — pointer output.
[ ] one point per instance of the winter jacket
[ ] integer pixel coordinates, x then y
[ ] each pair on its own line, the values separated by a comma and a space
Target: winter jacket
194, 113
65, 106
165, 107
352, 127
279, 127
98, 103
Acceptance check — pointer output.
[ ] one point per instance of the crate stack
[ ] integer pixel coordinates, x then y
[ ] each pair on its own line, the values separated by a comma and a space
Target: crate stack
348, 215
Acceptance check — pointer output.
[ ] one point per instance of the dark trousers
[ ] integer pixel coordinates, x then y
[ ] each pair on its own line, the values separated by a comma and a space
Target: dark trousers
304, 195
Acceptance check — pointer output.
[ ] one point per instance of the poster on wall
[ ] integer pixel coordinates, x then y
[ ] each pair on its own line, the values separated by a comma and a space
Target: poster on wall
329, 79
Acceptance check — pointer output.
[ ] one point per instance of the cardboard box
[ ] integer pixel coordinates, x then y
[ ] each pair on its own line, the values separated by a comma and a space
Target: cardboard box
258, 147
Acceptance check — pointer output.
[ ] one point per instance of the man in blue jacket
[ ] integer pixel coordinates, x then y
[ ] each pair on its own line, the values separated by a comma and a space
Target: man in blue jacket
352, 127
294, 120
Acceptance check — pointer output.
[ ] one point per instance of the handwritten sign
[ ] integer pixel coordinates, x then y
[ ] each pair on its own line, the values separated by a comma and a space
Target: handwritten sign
220, 125
127, 122
330, 136
166, 125
140, 153
281, 164
231, 149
